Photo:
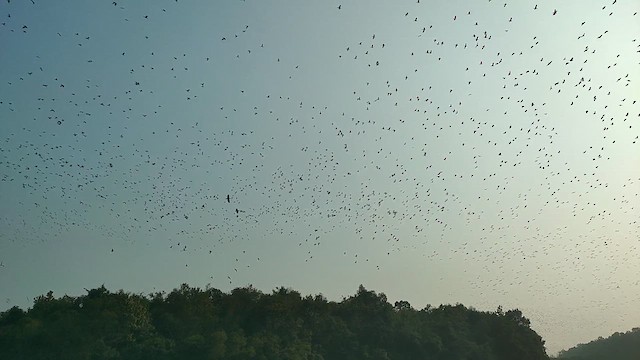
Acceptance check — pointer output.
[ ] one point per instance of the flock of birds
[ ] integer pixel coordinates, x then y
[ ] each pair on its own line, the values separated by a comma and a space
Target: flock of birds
469, 135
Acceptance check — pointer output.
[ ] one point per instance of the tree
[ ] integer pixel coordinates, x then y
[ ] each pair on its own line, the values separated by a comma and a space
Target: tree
191, 323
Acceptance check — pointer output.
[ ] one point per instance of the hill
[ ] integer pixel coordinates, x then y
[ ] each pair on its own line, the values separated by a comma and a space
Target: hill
619, 346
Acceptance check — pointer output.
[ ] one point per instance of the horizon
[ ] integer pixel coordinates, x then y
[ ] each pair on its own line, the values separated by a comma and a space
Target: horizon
207, 287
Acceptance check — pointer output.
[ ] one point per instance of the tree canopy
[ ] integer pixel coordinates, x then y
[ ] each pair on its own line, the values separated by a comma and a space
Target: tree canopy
194, 323
619, 346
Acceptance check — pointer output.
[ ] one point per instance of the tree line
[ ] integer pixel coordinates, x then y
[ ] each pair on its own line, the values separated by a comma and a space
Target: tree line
619, 346
194, 323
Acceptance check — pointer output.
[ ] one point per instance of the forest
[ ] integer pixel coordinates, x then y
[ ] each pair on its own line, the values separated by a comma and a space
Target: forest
619, 346
195, 323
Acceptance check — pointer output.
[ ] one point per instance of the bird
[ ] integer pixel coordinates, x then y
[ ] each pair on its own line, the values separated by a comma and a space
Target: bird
389, 161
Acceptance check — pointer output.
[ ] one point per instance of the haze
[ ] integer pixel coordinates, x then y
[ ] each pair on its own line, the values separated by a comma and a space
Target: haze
483, 153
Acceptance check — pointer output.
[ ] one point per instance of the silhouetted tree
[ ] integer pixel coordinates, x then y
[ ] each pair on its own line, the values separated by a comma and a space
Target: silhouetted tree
191, 323
619, 346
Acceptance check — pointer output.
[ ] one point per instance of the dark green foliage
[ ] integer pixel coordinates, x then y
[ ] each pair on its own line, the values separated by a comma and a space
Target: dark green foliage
619, 346
190, 323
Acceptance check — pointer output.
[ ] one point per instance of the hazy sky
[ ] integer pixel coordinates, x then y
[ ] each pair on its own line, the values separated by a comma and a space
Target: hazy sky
479, 152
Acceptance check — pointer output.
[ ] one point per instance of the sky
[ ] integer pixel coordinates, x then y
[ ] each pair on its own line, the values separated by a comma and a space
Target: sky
441, 152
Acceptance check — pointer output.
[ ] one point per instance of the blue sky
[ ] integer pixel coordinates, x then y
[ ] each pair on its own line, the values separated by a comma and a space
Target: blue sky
438, 152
